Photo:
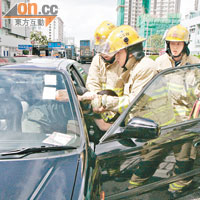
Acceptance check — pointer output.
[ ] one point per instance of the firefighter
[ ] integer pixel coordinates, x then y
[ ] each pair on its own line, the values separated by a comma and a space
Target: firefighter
127, 46
134, 68
178, 54
104, 74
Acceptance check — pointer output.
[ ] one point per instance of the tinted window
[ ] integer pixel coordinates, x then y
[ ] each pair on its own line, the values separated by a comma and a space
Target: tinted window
36, 110
170, 98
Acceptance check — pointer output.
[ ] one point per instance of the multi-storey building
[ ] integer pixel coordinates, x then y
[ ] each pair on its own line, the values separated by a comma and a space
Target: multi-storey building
192, 23
132, 9
162, 8
197, 5
54, 31
158, 9
10, 35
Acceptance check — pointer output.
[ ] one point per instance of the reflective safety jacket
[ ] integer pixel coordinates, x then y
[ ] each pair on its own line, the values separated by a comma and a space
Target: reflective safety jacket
103, 76
182, 90
141, 72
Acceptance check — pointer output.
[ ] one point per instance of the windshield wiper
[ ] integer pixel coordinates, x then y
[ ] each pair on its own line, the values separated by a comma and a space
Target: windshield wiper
37, 150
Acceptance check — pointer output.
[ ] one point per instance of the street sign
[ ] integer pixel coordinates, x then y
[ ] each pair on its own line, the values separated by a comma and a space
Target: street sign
24, 47
54, 44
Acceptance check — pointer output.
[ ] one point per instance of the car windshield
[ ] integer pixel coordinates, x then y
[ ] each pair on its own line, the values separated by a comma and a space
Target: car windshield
170, 98
36, 110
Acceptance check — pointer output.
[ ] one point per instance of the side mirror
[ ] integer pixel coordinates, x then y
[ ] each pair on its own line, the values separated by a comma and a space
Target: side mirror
141, 128
137, 127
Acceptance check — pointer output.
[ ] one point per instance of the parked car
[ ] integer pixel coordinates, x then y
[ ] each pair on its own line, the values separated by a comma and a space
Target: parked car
48, 150
15, 59
24, 58
6, 60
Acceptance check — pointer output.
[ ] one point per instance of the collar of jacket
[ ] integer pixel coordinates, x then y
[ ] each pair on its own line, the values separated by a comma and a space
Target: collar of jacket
183, 60
130, 63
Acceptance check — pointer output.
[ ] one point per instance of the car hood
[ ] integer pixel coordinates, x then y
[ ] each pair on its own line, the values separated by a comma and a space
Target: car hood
48, 178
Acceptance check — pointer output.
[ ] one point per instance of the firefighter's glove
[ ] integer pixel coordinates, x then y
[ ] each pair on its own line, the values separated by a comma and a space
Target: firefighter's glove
99, 103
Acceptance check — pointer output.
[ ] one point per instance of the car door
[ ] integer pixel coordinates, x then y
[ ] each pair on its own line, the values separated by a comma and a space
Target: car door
169, 100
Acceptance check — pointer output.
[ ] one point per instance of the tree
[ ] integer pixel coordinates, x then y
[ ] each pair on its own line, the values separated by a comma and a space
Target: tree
156, 43
38, 38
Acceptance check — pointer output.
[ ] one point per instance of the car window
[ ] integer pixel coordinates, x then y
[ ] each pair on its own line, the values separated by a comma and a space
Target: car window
139, 166
170, 97
76, 76
36, 109
81, 71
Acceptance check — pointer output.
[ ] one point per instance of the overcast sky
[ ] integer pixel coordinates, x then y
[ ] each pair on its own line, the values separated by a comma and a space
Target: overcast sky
81, 17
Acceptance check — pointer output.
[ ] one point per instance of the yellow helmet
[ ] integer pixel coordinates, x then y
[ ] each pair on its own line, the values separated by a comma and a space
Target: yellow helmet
178, 33
120, 38
102, 32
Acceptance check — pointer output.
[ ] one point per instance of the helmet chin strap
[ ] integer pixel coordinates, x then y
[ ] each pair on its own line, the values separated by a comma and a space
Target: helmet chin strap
136, 51
109, 61
127, 57
180, 54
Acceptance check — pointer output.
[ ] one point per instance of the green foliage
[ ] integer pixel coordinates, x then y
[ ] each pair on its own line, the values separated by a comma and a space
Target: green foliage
156, 43
197, 56
38, 38
153, 57
25, 52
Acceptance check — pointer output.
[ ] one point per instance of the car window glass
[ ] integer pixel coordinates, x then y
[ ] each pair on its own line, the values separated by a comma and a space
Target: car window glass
76, 77
166, 162
36, 109
170, 98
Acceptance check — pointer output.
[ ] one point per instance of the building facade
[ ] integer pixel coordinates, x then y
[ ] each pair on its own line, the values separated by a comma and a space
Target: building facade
10, 35
197, 5
158, 8
54, 31
132, 9
162, 8
192, 23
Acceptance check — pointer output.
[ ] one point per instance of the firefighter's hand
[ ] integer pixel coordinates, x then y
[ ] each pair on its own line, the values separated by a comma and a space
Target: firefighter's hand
99, 110
97, 104
88, 96
62, 95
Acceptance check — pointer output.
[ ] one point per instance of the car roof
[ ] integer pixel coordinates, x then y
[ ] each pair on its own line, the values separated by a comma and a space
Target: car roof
45, 63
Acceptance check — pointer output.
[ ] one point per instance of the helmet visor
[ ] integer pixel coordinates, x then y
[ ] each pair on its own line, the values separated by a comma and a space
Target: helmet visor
111, 48
104, 48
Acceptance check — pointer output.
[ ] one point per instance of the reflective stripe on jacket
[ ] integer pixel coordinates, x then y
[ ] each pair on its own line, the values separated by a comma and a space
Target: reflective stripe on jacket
180, 89
103, 76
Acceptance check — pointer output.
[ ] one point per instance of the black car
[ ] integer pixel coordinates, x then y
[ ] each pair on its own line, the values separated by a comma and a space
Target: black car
71, 66
51, 150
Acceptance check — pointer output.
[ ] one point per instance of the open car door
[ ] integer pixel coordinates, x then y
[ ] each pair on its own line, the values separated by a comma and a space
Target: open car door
154, 144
